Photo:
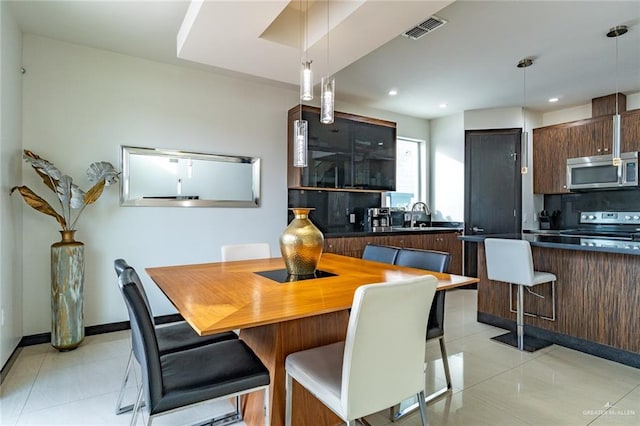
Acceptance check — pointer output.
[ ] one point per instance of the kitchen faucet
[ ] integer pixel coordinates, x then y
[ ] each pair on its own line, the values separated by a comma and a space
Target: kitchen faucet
425, 207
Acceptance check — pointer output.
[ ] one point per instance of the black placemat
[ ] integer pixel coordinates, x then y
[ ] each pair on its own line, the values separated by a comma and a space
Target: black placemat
281, 275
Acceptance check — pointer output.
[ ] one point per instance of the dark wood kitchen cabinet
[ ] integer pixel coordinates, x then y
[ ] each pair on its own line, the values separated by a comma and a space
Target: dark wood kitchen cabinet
446, 241
630, 131
550, 159
553, 145
590, 137
353, 153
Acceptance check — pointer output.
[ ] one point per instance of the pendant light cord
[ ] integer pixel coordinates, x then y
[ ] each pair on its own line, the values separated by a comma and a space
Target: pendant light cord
328, 31
617, 95
302, 44
524, 96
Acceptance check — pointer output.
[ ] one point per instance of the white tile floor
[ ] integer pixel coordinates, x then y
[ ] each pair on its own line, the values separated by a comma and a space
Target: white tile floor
493, 384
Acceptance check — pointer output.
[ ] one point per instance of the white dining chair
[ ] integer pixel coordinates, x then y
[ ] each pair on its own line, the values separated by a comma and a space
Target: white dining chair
248, 251
365, 373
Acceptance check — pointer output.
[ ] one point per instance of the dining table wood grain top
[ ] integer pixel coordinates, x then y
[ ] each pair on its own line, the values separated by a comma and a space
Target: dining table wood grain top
215, 297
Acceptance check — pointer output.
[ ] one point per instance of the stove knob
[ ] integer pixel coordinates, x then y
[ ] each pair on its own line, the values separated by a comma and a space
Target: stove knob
636, 217
636, 248
627, 217
591, 217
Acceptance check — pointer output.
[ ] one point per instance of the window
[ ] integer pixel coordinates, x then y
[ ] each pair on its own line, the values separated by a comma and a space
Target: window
410, 172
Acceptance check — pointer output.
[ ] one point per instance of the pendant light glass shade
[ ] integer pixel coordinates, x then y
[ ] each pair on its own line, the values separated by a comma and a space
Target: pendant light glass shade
524, 146
300, 140
615, 152
524, 143
327, 99
306, 82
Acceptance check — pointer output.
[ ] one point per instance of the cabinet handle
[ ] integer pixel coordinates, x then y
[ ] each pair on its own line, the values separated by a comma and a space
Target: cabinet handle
606, 150
599, 150
564, 186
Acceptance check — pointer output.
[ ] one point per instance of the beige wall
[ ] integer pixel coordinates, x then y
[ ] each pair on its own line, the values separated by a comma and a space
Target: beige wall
81, 104
10, 173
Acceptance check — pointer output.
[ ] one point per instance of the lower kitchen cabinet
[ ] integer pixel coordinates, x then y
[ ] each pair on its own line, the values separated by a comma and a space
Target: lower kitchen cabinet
354, 246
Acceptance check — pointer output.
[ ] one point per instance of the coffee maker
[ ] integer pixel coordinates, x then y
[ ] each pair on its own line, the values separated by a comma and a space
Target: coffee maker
378, 219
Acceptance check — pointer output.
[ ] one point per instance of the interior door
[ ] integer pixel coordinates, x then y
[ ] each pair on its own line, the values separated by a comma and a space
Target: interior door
493, 187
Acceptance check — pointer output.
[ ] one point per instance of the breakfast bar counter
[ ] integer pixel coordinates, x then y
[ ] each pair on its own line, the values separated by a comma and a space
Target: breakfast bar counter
597, 296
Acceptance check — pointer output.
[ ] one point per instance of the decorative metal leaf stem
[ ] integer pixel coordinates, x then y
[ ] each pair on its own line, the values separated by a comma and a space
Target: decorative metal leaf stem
69, 195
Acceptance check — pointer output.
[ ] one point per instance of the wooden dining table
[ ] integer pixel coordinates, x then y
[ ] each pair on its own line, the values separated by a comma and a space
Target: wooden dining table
278, 315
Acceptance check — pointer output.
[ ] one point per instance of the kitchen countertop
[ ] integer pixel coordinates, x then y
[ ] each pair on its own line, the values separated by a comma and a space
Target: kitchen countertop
562, 242
396, 231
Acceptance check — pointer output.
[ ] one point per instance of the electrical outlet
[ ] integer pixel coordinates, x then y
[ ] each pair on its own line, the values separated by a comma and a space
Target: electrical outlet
352, 218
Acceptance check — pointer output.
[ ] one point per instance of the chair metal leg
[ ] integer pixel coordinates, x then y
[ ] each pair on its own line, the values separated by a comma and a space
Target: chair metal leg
136, 408
119, 408
396, 414
520, 318
267, 412
423, 409
288, 400
445, 363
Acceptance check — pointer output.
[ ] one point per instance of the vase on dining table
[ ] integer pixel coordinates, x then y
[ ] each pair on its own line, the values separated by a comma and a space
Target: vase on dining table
301, 244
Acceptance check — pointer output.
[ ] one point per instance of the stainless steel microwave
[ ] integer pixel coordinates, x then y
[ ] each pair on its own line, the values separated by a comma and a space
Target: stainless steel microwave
598, 172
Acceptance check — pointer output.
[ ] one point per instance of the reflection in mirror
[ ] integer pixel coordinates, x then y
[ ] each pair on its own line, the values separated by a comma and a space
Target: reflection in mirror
161, 177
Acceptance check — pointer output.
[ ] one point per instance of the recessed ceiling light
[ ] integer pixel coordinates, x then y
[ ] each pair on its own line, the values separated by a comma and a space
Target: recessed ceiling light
553, 100
393, 92
443, 105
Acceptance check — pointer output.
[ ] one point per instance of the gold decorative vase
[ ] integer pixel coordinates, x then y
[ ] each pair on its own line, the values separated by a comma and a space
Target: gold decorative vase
301, 244
67, 288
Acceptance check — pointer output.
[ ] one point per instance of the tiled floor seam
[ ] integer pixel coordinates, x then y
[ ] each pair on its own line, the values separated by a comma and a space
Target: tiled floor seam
614, 404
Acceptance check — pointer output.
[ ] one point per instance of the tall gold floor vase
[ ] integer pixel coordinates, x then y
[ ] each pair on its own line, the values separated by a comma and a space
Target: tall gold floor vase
67, 288
301, 244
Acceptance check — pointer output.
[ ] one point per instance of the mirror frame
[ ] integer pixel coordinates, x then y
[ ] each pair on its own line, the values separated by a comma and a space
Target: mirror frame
125, 197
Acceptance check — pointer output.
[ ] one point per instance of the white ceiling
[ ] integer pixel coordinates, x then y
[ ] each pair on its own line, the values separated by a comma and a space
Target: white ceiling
470, 63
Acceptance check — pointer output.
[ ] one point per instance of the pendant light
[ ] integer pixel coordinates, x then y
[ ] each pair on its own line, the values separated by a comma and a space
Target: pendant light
306, 75
615, 151
327, 86
300, 141
300, 126
524, 144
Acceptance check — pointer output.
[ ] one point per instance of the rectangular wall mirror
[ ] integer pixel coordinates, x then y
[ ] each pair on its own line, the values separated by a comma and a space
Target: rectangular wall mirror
164, 177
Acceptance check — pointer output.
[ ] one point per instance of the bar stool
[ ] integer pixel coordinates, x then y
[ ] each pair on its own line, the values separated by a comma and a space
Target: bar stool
510, 261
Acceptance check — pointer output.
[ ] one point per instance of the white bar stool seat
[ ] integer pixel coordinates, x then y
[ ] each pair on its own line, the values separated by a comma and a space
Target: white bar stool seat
510, 261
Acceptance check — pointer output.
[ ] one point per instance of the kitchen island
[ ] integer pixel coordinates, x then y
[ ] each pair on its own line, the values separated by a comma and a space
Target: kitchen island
597, 295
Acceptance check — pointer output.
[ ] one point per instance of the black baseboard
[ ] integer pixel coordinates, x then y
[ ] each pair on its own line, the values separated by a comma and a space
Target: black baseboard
7, 365
631, 359
37, 339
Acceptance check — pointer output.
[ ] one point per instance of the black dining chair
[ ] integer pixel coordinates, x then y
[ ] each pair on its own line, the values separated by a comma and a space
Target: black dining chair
171, 338
186, 378
437, 261
380, 253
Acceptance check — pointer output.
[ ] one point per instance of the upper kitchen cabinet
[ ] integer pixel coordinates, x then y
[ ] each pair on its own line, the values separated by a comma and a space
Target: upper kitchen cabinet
353, 153
550, 159
553, 145
590, 137
630, 131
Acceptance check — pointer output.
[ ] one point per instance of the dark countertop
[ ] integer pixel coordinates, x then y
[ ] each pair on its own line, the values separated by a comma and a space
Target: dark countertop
396, 231
566, 243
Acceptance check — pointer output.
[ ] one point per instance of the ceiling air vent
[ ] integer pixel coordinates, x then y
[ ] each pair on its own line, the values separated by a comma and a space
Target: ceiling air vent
432, 23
